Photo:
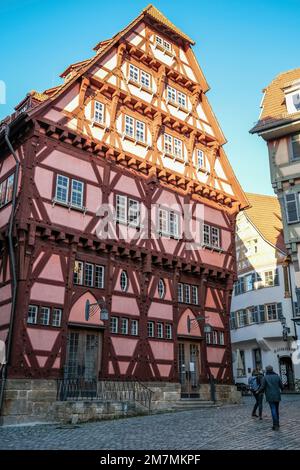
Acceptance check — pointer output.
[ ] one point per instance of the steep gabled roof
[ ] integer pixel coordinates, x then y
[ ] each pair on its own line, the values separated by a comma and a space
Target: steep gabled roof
274, 108
265, 215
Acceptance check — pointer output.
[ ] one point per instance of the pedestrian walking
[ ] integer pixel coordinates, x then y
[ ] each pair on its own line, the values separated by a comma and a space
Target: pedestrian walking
272, 386
255, 382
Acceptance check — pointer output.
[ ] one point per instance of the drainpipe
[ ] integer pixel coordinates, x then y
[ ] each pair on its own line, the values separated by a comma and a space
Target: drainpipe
12, 259
292, 300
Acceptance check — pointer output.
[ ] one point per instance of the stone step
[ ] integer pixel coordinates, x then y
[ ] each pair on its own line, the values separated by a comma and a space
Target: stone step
193, 403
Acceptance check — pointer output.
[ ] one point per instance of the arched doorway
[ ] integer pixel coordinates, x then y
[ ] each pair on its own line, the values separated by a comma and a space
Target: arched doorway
286, 372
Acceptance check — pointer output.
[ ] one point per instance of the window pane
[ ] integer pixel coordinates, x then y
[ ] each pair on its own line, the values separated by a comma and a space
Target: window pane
169, 331
173, 222
177, 148
161, 288
163, 221
134, 327
78, 272
114, 324
195, 295
3, 186
89, 274
168, 144
124, 326
145, 79
99, 276
129, 126
44, 315
32, 314
291, 208
200, 159
62, 188
56, 317
140, 131
215, 236
159, 40
206, 234
124, 281
180, 292
133, 212
181, 99
150, 327
99, 112
9, 188
160, 330
133, 73
171, 94
77, 193
187, 293
296, 146
121, 209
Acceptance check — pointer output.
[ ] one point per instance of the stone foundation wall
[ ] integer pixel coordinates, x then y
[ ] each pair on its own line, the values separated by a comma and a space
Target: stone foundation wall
27, 400
297, 385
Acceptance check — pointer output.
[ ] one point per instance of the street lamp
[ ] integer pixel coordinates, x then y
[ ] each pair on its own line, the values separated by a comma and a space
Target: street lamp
91, 309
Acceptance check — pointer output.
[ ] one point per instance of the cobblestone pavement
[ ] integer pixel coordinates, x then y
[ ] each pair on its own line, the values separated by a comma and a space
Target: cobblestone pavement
226, 427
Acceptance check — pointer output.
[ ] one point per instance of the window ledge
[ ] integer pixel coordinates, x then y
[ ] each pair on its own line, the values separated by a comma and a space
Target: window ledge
135, 141
140, 86
102, 125
168, 235
174, 157
129, 224
212, 247
164, 50
178, 106
69, 206
5, 204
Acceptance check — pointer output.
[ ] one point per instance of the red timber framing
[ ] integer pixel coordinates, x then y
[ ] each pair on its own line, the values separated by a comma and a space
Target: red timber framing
58, 135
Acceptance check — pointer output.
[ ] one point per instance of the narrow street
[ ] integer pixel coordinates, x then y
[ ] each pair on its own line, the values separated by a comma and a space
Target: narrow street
226, 427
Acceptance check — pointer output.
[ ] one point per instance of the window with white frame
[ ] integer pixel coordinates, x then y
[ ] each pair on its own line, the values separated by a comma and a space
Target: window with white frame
98, 112
124, 281
187, 293
221, 338
173, 146
139, 76
150, 328
78, 272
69, 191
56, 317
163, 44
77, 193
32, 314
161, 288
180, 292
160, 330
200, 159
114, 321
127, 210
271, 312
269, 278
6, 190
211, 236
89, 274
208, 338
135, 129
168, 331
44, 317
99, 276
168, 222
176, 97
215, 337
195, 295
134, 327
124, 326
295, 143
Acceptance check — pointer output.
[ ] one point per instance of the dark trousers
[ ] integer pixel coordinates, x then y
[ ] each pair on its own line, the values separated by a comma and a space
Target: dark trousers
258, 403
274, 405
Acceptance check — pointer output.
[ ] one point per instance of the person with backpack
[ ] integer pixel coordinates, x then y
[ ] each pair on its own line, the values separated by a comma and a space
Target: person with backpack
255, 382
272, 386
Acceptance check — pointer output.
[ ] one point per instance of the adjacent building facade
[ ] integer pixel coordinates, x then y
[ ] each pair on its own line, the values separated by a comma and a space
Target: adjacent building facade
263, 304
96, 177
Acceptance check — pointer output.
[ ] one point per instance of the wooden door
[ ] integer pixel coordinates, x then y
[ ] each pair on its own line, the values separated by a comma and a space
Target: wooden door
189, 368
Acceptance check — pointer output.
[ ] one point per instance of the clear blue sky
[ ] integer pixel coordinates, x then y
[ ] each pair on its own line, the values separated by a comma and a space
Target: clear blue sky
240, 45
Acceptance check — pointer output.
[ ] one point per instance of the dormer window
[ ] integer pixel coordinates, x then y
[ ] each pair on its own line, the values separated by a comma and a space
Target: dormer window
163, 44
99, 112
140, 77
292, 97
176, 97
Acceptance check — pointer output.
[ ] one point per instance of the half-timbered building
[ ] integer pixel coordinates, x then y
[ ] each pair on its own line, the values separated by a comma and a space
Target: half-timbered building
97, 179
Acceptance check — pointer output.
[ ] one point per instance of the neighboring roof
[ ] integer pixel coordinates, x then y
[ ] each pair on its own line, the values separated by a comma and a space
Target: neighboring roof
158, 16
265, 215
273, 103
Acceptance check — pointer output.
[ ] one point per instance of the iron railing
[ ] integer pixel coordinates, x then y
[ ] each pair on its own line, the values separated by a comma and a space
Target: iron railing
105, 390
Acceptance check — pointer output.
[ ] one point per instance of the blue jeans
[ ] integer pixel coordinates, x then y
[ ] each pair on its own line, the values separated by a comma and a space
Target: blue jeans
274, 405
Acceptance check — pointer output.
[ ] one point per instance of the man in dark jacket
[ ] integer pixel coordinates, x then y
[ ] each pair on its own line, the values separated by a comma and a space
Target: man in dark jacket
272, 387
